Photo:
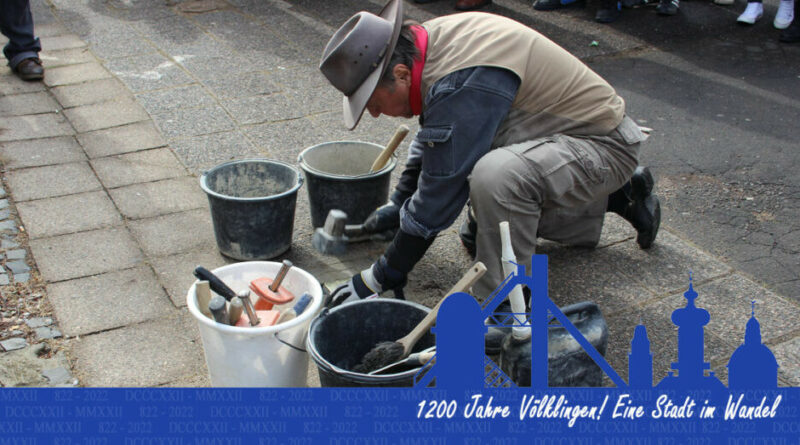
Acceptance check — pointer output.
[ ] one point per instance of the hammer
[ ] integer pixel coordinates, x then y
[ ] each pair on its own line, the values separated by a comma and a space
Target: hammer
333, 237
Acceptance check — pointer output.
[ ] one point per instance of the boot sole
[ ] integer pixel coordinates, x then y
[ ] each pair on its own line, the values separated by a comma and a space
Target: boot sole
645, 239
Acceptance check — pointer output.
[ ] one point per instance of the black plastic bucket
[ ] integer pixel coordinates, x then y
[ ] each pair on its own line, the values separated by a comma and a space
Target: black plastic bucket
252, 205
340, 337
337, 177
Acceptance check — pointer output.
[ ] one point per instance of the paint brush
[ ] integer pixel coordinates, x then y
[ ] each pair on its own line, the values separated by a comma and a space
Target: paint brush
293, 312
413, 360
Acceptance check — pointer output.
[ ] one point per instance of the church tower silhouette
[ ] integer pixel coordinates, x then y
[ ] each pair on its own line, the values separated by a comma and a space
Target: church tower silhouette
640, 360
752, 365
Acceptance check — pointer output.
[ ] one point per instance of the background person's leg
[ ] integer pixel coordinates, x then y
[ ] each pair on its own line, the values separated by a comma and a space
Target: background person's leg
16, 23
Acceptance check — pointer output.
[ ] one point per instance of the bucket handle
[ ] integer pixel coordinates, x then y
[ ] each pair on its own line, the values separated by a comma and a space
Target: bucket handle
288, 344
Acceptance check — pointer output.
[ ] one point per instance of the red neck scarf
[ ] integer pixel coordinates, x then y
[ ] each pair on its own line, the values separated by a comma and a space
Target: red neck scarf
414, 94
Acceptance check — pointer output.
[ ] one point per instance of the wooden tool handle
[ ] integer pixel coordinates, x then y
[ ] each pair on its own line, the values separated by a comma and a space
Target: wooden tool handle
387, 152
472, 275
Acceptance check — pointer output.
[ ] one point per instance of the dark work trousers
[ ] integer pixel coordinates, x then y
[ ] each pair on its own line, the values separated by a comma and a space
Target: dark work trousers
16, 23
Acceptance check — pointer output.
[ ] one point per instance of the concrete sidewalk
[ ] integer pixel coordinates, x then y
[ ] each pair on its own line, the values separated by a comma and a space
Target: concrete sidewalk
101, 163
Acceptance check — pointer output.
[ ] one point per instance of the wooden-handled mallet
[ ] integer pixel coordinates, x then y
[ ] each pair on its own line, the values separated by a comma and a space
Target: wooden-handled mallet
387, 152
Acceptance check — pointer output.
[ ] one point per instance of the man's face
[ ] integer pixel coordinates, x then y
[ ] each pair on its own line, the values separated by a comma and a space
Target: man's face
392, 99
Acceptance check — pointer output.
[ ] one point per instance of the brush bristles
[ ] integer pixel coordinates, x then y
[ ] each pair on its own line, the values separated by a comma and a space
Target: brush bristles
383, 354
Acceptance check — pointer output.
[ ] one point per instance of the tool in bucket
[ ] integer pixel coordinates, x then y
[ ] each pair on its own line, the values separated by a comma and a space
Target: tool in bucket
412, 361
388, 352
251, 317
387, 152
269, 291
335, 235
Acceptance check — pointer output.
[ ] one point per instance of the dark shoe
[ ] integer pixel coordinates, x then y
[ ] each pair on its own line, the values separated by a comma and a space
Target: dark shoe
636, 203
30, 69
467, 233
608, 11
493, 341
667, 7
792, 33
549, 5
471, 5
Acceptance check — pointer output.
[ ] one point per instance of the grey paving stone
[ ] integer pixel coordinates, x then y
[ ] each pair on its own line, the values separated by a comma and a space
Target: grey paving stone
297, 77
41, 152
88, 93
109, 300
3, 203
12, 333
2, 190
118, 140
8, 226
39, 322
5, 214
172, 234
118, 42
159, 198
203, 152
286, 139
50, 29
728, 299
788, 356
171, 32
52, 180
206, 66
12, 344
17, 266
11, 84
264, 108
86, 253
32, 103
8, 244
18, 254
148, 72
113, 113
46, 333
68, 214
141, 166
316, 100
146, 354
17, 128
241, 85
175, 272
64, 57
57, 376
70, 74
191, 96
3, 279
193, 122
55, 43
22, 277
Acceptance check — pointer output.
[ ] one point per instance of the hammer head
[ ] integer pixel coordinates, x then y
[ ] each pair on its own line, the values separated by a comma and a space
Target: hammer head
330, 239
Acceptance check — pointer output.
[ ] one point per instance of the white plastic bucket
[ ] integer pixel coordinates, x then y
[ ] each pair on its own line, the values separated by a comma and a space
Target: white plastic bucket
272, 356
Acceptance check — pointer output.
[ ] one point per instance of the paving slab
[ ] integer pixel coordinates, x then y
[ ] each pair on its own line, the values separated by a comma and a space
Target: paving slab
31, 103
11, 84
190, 96
86, 253
241, 85
147, 354
159, 198
193, 122
141, 166
263, 108
109, 300
113, 113
12, 344
788, 356
175, 233
88, 93
41, 152
175, 271
148, 72
68, 214
8, 226
47, 332
17, 128
39, 322
120, 41
64, 57
71, 74
52, 180
124, 139
58, 42
204, 152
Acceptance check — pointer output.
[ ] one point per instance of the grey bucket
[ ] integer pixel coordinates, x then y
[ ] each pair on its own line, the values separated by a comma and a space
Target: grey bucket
337, 177
252, 205
339, 338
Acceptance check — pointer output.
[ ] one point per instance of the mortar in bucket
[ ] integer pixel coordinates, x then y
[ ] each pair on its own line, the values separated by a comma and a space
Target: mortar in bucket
340, 337
337, 177
252, 205
272, 356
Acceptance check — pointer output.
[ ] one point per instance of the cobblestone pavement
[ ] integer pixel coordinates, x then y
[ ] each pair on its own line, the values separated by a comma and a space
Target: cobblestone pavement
101, 163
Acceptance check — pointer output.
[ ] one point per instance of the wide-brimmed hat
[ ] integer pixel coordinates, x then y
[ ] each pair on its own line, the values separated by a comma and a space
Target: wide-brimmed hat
357, 55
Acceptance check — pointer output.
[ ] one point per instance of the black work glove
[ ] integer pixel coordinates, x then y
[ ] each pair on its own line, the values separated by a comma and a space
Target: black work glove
370, 283
384, 218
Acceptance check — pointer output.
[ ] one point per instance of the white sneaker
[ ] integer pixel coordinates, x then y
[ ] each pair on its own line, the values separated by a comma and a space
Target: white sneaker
753, 12
785, 14
723, 2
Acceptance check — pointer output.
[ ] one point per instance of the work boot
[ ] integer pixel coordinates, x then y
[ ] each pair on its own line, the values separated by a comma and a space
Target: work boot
667, 7
608, 11
636, 203
468, 232
471, 5
30, 69
549, 5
